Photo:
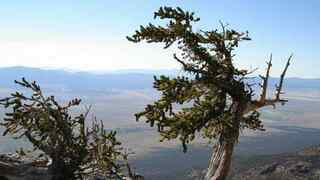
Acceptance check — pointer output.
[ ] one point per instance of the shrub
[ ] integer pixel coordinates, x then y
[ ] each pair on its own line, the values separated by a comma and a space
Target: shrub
75, 149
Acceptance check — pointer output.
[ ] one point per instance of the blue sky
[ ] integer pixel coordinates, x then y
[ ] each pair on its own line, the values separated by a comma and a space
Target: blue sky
90, 35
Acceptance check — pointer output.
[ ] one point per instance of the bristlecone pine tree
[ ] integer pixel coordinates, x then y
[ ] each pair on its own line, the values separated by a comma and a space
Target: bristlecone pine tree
222, 101
75, 149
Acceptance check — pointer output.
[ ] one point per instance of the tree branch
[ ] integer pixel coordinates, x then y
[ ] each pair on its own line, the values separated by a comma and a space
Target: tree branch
184, 65
263, 101
264, 85
279, 88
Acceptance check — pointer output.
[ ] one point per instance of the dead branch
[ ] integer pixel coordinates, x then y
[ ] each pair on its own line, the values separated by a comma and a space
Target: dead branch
279, 88
263, 101
265, 80
184, 65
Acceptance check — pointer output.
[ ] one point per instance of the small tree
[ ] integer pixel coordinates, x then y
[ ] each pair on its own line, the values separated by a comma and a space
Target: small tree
75, 150
105, 153
221, 99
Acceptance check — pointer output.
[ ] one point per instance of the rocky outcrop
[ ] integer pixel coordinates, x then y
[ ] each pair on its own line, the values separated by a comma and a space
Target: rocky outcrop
13, 167
297, 166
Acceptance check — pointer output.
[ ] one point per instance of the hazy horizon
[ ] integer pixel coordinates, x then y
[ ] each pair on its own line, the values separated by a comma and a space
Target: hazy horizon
128, 71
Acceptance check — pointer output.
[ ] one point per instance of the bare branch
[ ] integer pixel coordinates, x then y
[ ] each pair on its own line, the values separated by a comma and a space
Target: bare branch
188, 66
223, 27
263, 101
88, 109
180, 61
279, 88
251, 71
264, 85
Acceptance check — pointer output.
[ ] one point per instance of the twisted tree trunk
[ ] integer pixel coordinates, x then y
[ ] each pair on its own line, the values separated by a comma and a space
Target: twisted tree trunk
221, 157
220, 162
214, 162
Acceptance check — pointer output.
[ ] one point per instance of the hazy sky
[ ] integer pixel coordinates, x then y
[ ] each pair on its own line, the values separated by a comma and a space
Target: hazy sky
90, 34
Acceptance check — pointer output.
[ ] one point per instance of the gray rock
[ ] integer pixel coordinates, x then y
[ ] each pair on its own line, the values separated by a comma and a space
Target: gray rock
13, 167
296, 166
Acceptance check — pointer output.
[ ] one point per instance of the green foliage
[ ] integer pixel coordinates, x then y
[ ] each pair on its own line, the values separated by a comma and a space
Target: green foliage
215, 88
105, 153
75, 150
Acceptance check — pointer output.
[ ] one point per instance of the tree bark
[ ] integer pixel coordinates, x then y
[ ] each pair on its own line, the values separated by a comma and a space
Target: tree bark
214, 162
222, 171
220, 162
221, 158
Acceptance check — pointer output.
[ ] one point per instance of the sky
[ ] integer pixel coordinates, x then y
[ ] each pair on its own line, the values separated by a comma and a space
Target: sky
89, 35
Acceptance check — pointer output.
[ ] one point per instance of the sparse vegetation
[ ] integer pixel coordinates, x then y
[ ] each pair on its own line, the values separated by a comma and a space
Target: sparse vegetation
76, 150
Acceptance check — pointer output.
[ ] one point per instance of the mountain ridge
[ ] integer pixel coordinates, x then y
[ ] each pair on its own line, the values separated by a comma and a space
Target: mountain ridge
119, 71
116, 80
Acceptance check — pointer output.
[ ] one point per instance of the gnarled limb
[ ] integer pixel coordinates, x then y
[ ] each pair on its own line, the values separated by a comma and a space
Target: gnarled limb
265, 79
263, 100
279, 88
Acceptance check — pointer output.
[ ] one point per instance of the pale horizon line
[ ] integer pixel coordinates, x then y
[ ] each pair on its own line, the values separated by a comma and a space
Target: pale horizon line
125, 71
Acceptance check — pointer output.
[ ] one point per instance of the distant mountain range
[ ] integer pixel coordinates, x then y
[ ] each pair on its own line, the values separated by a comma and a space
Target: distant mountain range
122, 79
75, 80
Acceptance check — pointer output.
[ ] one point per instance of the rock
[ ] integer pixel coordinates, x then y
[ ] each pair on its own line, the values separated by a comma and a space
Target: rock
296, 166
14, 167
